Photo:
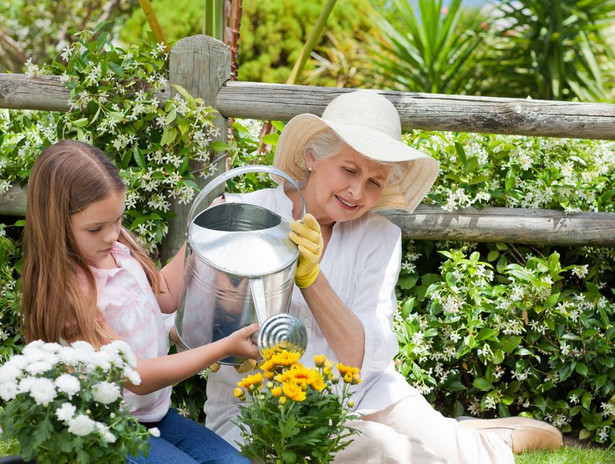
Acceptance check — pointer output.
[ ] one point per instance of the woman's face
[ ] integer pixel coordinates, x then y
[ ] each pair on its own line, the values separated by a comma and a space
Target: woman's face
344, 186
97, 228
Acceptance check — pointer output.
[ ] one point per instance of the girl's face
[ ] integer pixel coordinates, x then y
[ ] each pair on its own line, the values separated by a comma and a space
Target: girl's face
344, 186
97, 228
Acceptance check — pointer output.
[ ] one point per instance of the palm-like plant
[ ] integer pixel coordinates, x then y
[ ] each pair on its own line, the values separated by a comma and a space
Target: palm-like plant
550, 49
429, 50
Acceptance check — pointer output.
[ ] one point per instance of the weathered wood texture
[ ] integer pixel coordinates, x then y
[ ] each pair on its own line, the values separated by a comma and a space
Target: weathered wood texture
510, 225
200, 64
13, 202
417, 110
431, 111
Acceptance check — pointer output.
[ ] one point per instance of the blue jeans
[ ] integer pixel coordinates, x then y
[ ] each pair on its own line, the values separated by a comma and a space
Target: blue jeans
183, 441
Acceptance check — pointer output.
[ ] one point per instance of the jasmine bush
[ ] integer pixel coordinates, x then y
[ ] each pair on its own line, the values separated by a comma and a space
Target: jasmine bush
500, 329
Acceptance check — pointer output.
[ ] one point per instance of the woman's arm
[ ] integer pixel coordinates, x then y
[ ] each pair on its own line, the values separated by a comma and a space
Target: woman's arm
340, 326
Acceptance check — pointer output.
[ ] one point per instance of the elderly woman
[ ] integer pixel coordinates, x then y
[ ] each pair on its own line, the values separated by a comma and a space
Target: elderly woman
349, 163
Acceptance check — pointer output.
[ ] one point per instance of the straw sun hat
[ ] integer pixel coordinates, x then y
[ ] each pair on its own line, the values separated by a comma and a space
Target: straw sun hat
369, 123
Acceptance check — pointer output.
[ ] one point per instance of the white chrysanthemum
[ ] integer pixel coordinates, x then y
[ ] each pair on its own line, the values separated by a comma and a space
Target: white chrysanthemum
105, 433
9, 373
154, 432
43, 391
19, 361
106, 392
69, 356
8, 390
38, 367
124, 350
83, 346
132, 376
68, 384
100, 360
66, 412
81, 425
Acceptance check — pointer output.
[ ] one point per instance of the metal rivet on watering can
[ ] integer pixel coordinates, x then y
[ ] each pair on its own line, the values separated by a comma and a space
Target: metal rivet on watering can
239, 269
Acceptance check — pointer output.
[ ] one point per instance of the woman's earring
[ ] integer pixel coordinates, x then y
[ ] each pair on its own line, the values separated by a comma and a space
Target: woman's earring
310, 168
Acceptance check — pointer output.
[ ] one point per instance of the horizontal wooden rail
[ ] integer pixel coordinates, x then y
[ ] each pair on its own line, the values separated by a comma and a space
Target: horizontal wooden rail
510, 225
422, 111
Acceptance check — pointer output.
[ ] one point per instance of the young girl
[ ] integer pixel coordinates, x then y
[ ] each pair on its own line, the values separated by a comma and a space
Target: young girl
85, 278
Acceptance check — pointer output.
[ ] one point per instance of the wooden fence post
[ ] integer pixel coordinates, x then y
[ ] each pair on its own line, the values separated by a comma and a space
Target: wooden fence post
200, 64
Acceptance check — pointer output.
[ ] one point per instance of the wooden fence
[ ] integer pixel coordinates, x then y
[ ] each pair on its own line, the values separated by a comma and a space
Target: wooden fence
201, 65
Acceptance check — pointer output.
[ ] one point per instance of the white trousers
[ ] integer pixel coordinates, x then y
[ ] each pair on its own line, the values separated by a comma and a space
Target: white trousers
411, 431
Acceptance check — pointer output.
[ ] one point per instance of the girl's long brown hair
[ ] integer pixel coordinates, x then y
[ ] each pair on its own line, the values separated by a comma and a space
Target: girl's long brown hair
67, 177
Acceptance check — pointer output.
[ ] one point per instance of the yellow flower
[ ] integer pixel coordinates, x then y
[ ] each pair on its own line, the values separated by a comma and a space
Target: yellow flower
349, 373
285, 358
319, 360
239, 393
293, 392
252, 382
276, 392
302, 376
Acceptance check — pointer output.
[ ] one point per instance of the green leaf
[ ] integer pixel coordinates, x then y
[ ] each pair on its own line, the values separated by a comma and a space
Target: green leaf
482, 384
510, 343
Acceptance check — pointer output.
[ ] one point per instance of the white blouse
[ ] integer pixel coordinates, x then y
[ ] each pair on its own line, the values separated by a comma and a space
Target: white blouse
362, 263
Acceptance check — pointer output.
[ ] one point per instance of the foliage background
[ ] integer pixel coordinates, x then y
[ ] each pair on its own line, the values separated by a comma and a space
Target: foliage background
484, 329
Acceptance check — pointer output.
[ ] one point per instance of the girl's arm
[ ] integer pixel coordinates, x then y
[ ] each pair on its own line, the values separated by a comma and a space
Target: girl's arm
171, 282
157, 373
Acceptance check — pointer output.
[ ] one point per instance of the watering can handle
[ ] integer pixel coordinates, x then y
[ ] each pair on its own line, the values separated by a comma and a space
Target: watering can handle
222, 178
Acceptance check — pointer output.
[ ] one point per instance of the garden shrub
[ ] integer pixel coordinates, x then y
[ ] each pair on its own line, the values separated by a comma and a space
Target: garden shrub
484, 329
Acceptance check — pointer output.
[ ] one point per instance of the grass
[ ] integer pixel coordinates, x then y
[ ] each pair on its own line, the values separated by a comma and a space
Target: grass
568, 455
565, 455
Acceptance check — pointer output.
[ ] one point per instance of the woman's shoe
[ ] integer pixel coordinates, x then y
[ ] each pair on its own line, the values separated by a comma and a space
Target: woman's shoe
521, 433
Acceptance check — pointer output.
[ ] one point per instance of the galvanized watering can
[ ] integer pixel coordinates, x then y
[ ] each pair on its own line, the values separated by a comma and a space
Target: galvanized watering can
239, 269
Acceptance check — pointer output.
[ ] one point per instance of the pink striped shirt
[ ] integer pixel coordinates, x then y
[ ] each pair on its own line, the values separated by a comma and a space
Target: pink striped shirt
129, 306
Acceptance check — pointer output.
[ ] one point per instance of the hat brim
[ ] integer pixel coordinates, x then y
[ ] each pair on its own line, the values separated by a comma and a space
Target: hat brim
420, 169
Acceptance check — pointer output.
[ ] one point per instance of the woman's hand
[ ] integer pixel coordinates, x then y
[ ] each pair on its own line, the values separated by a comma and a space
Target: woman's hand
308, 237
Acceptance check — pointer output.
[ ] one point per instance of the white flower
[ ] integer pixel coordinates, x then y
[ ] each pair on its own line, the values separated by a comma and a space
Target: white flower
66, 412
8, 390
38, 367
154, 432
43, 391
9, 373
81, 425
132, 376
68, 384
106, 392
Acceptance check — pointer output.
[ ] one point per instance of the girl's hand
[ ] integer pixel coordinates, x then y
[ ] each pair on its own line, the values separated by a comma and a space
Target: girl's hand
240, 342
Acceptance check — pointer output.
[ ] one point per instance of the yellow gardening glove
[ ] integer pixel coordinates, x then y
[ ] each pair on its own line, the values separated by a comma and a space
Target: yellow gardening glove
306, 234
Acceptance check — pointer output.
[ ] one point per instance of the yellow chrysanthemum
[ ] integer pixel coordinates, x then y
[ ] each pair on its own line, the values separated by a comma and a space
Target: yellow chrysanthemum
251, 382
239, 393
302, 376
293, 392
319, 360
349, 373
285, 358
276, 392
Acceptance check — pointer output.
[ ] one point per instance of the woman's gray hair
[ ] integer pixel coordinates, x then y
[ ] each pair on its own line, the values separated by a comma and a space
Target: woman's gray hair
327, 143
